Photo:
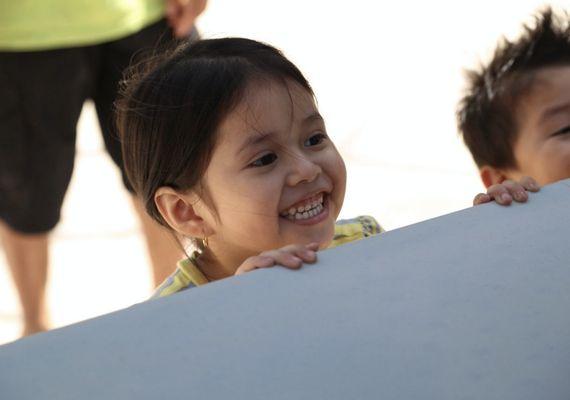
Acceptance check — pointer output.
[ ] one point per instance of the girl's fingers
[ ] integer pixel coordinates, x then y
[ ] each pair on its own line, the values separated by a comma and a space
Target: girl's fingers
481, 198
313, 246
307, 253
529, 184
292, 257
500, 193
254, 263
302, 251
286, 259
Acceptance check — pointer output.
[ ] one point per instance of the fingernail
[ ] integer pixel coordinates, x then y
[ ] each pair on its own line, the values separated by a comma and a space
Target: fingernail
310, 253
520, 196
505, 197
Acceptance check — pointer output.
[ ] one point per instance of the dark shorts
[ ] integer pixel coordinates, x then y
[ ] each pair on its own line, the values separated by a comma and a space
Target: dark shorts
42, 94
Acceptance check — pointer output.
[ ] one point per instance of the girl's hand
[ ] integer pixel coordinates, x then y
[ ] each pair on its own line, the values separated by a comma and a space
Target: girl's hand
504, 193
292, 257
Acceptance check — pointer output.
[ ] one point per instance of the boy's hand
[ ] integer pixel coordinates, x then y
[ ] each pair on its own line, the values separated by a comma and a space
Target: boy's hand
292, 257
504, 193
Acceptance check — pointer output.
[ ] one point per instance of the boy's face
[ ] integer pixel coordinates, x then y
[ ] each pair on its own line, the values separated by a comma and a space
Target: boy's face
275, 176
542, 148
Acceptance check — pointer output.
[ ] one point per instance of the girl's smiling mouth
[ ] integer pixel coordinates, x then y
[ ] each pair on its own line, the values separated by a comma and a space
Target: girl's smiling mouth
309, 211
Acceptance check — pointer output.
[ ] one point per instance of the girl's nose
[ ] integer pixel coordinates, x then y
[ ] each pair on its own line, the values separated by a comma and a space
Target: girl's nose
303, 170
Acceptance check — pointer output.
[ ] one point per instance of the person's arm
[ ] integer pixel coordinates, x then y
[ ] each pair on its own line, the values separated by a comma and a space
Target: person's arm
182, 14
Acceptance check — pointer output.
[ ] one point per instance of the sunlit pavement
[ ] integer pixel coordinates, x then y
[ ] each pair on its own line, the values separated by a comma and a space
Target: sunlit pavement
387, 80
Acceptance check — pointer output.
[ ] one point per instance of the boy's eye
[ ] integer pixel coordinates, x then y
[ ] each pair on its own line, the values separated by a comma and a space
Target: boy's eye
265, 160
315, 140
562, 131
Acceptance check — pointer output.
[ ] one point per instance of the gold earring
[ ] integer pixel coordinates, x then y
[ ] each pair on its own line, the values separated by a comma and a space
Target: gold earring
205, 242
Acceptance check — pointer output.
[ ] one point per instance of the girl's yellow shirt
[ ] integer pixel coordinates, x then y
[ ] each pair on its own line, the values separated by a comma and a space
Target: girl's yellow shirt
188, 275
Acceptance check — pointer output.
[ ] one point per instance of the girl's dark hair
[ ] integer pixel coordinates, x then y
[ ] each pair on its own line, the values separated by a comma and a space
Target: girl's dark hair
170, 109
486, 116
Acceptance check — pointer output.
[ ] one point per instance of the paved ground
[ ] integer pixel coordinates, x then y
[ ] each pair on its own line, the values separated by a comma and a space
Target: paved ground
387, 81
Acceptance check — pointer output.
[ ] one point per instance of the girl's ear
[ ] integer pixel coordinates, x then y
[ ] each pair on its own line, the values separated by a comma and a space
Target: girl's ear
491, 176
179, 212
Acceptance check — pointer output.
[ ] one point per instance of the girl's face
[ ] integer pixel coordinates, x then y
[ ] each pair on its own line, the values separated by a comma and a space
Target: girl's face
275, 177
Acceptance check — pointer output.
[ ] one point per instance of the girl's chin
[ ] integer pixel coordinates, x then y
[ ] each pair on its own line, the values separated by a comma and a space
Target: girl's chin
324, 244
322, 236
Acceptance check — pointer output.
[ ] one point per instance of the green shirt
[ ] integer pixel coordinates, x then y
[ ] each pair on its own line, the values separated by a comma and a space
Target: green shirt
49, 24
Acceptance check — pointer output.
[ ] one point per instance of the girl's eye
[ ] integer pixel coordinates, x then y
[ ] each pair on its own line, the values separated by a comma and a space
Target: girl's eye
315, 140
562, 131
267, 159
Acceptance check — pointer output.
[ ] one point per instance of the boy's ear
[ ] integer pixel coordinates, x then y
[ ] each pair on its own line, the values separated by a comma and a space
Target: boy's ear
491, 176
179, 211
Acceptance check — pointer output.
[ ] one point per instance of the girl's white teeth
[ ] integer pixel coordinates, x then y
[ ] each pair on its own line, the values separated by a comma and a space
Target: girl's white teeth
309, 210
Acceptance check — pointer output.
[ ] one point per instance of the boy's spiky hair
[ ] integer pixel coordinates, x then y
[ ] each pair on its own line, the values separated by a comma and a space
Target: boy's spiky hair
486, 114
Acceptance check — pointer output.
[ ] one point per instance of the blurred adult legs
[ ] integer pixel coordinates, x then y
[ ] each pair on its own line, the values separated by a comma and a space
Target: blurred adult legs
27, 258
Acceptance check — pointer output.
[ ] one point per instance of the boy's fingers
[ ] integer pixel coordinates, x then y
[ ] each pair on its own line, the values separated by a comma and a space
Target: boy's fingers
516, 190
500, 194
529, 184
481, 198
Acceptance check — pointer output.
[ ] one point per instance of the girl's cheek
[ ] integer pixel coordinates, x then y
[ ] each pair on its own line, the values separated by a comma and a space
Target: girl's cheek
341, 170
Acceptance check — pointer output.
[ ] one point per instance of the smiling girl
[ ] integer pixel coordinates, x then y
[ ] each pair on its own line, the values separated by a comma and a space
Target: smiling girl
225, 144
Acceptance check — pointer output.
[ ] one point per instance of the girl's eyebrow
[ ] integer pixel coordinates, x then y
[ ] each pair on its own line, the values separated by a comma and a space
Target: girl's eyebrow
254, 139
260, 137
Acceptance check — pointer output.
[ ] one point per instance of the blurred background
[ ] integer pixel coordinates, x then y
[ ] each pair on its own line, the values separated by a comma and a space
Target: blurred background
387, 76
